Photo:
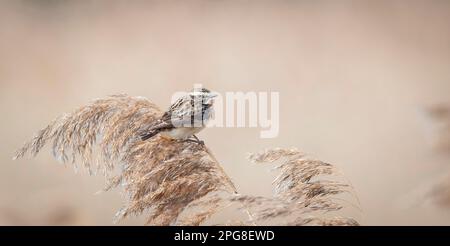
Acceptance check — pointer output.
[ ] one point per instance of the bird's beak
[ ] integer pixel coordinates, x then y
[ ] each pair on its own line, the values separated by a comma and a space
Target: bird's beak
210, 98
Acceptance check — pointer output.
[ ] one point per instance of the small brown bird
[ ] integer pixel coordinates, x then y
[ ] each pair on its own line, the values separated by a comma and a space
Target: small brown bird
186, 117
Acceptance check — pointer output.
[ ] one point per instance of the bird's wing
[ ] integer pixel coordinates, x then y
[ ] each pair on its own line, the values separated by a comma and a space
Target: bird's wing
183, 112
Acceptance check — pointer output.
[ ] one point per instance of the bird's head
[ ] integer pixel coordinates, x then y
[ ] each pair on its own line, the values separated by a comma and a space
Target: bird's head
204, 95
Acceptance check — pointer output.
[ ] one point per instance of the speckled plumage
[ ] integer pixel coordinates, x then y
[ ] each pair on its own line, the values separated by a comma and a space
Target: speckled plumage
185, 117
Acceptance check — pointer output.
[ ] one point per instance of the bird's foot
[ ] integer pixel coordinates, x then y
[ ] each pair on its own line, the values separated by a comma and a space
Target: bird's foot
198, 140
195, 140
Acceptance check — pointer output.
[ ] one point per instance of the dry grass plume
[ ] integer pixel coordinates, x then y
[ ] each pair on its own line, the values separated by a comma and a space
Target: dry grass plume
438, 192
181, 183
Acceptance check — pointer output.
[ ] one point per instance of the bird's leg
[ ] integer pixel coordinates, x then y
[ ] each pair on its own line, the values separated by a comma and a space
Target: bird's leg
198, 140
195, 140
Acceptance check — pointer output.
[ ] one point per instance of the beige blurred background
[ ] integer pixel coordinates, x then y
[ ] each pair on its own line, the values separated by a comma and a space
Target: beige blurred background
353, 77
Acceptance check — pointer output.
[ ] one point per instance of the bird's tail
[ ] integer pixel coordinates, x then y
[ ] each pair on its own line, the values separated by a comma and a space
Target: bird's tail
155, 130
148, 135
